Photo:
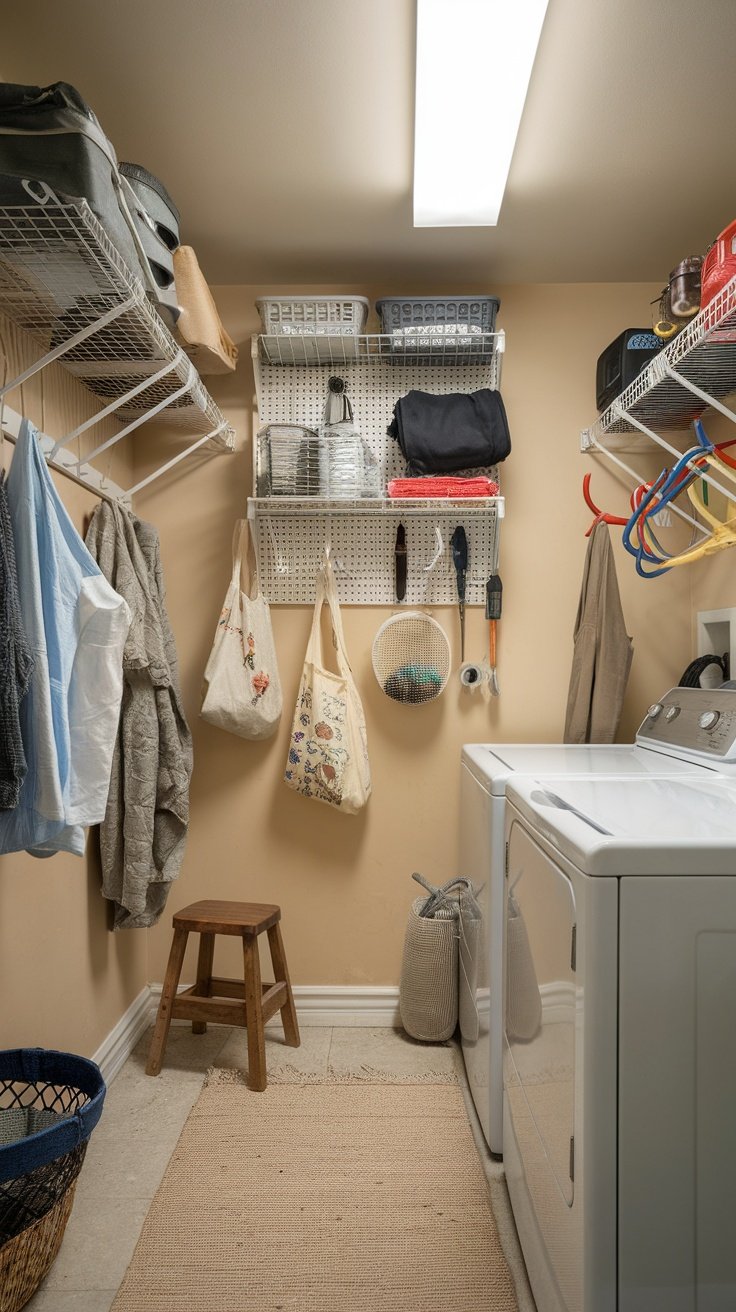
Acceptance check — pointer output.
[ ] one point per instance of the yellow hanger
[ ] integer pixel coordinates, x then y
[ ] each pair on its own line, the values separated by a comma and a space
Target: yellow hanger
723, 532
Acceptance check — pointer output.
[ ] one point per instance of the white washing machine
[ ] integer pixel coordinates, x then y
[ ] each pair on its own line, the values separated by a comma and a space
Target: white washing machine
620, 1025
486, 770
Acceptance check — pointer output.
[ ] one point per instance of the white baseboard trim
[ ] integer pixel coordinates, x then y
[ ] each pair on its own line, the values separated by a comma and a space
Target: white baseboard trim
351, 1005
120, 1042
316, 1004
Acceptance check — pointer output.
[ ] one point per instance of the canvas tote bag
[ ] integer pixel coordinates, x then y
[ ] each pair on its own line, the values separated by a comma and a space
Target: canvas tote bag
328, 748
243, 690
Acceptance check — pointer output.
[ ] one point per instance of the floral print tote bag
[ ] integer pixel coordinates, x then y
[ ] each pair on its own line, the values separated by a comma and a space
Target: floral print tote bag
328, 748
242, 687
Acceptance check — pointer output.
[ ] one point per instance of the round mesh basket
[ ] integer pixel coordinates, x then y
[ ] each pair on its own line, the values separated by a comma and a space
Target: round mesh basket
411, 658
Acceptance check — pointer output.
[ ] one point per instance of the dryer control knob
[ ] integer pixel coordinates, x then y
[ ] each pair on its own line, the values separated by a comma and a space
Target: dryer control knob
709, 719
654, 710
671, 713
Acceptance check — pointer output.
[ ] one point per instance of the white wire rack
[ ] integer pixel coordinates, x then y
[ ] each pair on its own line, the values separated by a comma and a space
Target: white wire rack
374, 382
63, 283
695, 372
430, 349
697, 369
291, 532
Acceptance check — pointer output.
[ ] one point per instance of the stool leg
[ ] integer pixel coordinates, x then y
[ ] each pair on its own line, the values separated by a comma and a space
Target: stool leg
165, 1006
281, 972
254, 1014
204, 975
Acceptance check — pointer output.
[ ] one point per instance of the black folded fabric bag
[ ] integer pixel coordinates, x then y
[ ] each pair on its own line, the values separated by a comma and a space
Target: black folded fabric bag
443, 434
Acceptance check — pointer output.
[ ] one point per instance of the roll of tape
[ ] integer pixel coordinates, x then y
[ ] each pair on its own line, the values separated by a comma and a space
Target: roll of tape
471, 676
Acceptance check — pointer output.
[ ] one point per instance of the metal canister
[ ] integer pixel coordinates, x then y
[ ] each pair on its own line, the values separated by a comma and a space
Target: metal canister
684, 289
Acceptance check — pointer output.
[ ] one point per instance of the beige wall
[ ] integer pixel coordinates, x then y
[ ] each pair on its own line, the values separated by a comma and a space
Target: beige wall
64, 978
344, 882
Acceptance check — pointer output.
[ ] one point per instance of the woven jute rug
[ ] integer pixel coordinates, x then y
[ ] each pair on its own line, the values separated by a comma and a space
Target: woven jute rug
321, 1198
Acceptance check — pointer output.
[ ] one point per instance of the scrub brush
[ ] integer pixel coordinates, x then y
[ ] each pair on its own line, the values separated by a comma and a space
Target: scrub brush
494, 596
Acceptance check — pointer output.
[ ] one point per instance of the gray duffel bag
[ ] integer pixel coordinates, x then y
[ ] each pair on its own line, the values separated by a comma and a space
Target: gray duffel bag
49, 135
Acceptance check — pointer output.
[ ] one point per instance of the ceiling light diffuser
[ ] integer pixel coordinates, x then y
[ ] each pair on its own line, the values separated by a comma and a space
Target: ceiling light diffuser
474, 62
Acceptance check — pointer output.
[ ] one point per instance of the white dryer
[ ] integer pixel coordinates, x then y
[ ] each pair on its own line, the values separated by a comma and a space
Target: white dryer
620, 1025
485, 771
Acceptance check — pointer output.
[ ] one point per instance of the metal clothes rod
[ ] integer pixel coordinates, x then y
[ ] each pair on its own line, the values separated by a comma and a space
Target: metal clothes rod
64, 463
691, 464
84, 474
616, 460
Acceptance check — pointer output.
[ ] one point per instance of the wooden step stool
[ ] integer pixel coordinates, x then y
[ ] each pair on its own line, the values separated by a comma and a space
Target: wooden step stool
227, 1001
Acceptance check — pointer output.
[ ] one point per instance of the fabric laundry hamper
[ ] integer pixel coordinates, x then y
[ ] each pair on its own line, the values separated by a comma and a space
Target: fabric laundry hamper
50, 1102
428, 989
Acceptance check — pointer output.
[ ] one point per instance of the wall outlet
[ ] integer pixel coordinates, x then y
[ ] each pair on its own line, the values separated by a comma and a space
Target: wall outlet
716, 633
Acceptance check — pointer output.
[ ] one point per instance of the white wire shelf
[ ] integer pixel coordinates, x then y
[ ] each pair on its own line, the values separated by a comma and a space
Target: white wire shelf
395, 349
397, 507
63, 283
694, 371
290, 547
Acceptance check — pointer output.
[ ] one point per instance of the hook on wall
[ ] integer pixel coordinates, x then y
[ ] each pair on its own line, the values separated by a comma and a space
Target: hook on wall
281, 566
439, 550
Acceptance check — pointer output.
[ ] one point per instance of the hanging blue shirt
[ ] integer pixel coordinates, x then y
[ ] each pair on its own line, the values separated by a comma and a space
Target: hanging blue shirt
76, 626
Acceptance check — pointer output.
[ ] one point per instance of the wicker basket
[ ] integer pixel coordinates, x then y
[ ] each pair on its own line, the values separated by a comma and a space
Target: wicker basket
50, 1103
26, 1259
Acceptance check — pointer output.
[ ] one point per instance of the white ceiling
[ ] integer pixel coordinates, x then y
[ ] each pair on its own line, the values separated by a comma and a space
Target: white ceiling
283, 130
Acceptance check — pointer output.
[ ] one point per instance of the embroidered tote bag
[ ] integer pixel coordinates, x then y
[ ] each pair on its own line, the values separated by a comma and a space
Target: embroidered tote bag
328, 748
243, 691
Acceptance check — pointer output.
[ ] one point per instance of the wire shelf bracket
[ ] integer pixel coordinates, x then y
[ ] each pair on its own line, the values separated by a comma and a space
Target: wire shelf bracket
694, 372
65, 285
65, 463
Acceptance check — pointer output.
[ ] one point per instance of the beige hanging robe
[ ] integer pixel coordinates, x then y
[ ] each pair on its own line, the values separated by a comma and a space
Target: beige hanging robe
603, 650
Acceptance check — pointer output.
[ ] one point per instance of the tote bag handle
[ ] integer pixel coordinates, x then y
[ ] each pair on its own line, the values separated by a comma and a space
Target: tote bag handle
245, 563
327, 592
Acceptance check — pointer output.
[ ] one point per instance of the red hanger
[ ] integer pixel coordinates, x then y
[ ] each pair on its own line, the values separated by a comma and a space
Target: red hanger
601, 516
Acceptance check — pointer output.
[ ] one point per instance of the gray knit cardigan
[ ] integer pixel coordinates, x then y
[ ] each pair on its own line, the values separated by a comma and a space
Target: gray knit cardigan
143, 834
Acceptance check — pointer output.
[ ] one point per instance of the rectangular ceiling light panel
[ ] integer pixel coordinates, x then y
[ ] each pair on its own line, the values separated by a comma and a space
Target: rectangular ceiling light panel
474, 62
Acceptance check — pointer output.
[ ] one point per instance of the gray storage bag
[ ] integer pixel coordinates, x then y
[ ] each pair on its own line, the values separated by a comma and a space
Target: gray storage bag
49, 135
428, 991
157, 221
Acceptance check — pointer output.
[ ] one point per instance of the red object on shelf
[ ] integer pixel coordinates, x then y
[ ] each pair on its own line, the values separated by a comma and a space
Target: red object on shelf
442, 487
719, 266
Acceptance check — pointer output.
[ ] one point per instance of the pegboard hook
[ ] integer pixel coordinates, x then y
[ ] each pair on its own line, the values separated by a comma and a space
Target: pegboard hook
281, 568
439, 552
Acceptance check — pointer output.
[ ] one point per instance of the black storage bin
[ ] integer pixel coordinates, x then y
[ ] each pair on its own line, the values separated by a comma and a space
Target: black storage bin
622, 362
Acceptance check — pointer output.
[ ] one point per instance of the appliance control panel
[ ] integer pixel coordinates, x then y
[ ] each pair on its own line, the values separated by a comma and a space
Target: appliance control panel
692, 722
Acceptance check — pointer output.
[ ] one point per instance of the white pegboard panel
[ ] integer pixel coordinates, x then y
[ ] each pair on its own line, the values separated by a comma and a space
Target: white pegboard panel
290, 549
297, 394
290, 541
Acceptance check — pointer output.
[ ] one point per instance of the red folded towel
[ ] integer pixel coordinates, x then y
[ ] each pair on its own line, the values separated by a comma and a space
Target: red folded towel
442, 487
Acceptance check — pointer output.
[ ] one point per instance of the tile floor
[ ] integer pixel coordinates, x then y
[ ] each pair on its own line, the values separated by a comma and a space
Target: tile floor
143, 1119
